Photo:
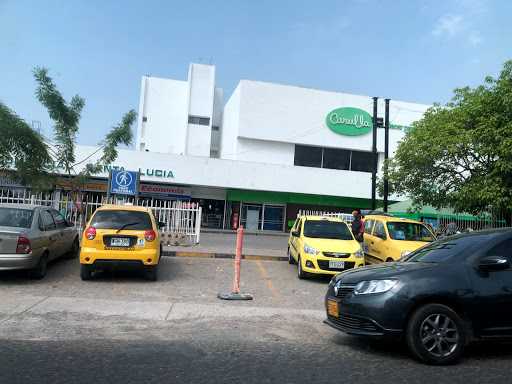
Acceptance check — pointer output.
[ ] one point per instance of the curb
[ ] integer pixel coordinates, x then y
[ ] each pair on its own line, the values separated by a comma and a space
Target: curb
207, 255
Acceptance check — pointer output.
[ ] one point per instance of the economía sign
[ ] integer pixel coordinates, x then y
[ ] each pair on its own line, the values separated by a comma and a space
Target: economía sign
124, 182
349, 121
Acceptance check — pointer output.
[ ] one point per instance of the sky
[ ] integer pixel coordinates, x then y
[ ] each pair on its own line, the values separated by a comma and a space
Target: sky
416, 51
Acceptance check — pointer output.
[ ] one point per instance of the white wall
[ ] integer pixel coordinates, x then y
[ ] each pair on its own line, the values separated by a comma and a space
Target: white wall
164, 103
230, 124
207, 172
289, 114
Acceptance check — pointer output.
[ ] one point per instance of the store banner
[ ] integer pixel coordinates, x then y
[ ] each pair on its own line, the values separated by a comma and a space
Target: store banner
164, 191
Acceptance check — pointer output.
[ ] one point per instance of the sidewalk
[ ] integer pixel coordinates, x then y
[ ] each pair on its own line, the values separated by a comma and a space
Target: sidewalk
222, 244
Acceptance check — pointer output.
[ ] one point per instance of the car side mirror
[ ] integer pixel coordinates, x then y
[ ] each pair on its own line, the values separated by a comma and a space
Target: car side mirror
71, 224
161, 224
295, 233
493, 263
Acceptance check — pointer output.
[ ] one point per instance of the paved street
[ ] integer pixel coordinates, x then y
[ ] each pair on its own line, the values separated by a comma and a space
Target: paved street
119, 328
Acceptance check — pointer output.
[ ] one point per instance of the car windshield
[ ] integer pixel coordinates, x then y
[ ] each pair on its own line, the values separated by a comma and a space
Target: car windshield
409, 232
116, 219
12, 217
444, 250
327, 230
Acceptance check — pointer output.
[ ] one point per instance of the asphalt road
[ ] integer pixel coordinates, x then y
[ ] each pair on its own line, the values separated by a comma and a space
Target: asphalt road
119, 328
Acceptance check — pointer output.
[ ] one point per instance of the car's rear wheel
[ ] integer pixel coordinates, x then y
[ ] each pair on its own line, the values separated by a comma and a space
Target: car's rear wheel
389, 260
300, 272
152, 274
436, 334
73, 252
38, 272
85, 274
291, 260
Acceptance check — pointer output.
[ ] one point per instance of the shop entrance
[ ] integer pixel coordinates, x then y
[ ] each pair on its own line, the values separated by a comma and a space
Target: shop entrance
266, 217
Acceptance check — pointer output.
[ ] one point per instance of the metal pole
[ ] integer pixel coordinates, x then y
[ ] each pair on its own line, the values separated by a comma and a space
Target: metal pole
109, 185
374, 151
386, 151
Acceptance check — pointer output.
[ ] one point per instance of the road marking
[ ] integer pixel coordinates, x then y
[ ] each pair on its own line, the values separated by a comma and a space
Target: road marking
270, 285
121, 287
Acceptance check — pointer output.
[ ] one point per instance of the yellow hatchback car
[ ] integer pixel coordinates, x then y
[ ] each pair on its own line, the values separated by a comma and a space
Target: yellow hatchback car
323, 245
123, 237
390, 238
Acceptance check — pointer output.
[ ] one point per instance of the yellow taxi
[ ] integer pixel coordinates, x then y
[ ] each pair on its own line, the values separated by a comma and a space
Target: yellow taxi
390, 238
121, 237
323, 245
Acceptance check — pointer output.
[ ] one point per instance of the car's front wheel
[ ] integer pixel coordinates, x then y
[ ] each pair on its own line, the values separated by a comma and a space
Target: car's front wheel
73, 252
300, 272
291, 260
436, 334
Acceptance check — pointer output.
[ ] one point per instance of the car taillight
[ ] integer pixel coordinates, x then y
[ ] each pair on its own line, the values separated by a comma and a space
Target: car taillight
23, 245
150, 235
90, 233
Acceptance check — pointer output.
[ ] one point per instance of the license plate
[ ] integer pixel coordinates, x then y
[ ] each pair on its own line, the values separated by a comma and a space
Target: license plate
117, 242
332, 308
338, 264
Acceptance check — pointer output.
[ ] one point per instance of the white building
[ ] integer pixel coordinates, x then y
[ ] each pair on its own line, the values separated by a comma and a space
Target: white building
272, 150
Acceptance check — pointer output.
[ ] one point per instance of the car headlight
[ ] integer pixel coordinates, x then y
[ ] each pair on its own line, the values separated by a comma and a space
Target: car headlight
367, 287
310, 250
359, 254
405, 253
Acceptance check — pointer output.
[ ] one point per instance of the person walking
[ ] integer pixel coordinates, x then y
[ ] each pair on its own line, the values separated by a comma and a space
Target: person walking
357, 226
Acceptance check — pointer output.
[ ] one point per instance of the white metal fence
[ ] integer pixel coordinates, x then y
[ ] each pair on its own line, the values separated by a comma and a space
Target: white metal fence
346, 217
178, 216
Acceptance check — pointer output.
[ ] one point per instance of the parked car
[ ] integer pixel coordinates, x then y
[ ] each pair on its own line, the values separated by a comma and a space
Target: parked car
323, 245
390, 238
448, 293
121, 237
33, 235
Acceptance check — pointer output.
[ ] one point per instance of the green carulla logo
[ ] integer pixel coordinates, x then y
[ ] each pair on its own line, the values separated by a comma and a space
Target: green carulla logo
349, 121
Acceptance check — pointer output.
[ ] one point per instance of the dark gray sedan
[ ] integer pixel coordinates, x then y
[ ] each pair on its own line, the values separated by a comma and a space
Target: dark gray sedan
33, 235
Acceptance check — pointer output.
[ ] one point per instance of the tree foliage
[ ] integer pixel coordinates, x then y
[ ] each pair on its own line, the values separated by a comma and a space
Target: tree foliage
460, 156
23, 154
67, 117
36, 158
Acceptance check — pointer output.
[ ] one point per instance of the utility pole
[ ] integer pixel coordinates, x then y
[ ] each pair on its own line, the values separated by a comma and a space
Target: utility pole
374, 151
386, 151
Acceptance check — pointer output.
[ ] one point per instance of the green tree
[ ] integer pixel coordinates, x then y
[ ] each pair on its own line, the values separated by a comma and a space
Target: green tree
460, 156
24, 156
36, 158
67, 117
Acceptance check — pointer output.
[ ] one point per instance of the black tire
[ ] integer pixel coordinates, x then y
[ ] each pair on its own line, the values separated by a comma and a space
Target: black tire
85, 274
152, 274
73, 252
291, 260
436, 335
39, 271
300, 273
389, 260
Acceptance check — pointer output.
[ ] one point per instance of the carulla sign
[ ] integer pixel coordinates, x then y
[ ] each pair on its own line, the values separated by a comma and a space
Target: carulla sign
349, 121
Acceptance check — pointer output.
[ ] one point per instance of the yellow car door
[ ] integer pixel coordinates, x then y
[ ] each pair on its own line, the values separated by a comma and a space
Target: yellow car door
377, 243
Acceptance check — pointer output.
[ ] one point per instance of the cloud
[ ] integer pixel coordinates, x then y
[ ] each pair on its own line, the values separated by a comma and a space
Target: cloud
475, 37
448, 26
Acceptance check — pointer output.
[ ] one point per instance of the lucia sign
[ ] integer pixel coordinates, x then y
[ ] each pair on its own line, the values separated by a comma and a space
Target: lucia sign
349, 121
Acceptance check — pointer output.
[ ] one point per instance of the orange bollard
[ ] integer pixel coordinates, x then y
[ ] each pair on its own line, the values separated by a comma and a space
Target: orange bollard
235, 295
